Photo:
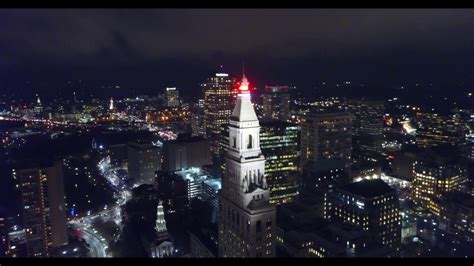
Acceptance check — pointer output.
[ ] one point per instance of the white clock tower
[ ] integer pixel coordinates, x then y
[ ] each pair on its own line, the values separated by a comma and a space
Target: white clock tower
246, 218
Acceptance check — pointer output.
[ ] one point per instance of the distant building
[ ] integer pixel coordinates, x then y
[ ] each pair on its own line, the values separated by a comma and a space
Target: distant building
219, 99
186, 152
172, 97
368, 123
370, 205
198, 119
433, 176
327, 136
436, 129
44, 212
143, 161
326, 150
457, 214
276, 103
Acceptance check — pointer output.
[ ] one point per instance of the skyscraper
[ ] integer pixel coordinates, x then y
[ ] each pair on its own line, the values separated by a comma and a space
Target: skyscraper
368, 123
434, 176
326, 148
276, 103
172, 97
198, 121
143, 161
246, 218
219, 99
44, 212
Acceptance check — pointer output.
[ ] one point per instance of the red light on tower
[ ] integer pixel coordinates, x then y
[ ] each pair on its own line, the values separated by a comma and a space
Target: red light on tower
244, 85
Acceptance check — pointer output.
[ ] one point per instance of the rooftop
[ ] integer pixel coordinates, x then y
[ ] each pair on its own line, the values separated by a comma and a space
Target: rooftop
368, 188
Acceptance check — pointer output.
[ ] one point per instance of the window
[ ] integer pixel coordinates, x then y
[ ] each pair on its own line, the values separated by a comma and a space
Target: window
269, 224
250, 143
259, 226
234, 142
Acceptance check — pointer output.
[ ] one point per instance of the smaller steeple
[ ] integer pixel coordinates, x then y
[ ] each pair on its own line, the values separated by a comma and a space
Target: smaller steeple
160, 219
38, 101
111, 107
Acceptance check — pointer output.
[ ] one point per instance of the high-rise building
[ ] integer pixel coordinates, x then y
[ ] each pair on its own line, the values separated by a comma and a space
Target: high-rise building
219, 100
186, 152
368, 123
326, 149
44, 212
435, 129
433, 176
370, 205
276, 103
172, 97
198, 120
143, 161
246, 218
279, 142
326, 136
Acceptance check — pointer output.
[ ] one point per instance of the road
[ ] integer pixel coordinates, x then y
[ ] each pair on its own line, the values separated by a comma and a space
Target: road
98, 245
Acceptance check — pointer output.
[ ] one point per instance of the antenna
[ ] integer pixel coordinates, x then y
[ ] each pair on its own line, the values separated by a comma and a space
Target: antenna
243, 68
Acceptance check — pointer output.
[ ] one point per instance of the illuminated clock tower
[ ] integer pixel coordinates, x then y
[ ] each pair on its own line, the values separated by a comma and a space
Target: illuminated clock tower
246, 218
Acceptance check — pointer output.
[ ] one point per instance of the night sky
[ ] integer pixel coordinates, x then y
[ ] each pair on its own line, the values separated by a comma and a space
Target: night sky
145, 50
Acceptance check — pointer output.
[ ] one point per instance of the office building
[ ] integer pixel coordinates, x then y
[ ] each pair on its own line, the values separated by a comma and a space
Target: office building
198, 119
143, 161
204, 242
436, 129
186, 152
219, 100
276, 103
246, 218
326, 149
279, 142
368, 118
457, 214
433, 176
44, 212
172, 97
370, 205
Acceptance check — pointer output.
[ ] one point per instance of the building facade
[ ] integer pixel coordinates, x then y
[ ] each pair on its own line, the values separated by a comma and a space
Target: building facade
44, 212
143, 161
368, 123
431, 178
186, 152
276, 103
372, 206
246, 218
172, 97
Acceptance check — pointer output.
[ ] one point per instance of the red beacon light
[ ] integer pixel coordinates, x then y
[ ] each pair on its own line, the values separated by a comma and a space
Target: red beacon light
244, 85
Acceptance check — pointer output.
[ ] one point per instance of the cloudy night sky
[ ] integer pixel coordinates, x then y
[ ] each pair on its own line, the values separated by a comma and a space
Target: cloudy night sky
149, 49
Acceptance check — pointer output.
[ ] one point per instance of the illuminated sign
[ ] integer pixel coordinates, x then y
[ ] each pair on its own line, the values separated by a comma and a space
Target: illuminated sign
222, 75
